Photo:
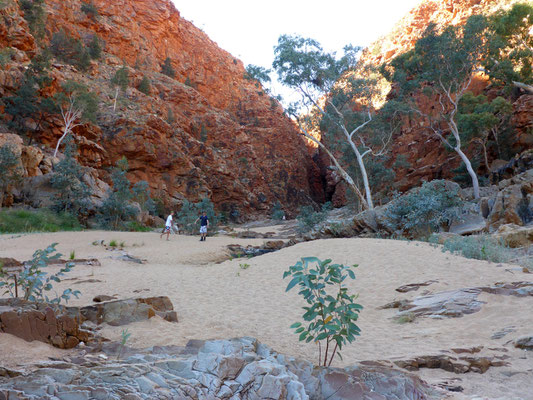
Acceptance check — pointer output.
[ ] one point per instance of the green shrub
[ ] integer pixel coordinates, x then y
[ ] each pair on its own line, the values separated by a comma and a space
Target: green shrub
277, 212
113, 243
8, 165
141, 194
331, 313
134, 226
121, 78
171, 119
190, 212
117, 209
43, 220
89, 9
35, 14
480, 247
5, 56
424, 210
70, 50
34, 282
308, 218
144, 86
167, 69
72, 193
95, 48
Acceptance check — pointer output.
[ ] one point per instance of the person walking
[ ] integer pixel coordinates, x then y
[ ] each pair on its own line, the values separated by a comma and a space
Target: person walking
204, 224
168, 226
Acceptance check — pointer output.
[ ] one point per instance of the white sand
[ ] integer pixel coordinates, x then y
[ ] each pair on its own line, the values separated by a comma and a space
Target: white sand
224, 301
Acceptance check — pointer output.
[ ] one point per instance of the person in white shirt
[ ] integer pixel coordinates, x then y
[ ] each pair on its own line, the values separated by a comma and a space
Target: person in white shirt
168, 227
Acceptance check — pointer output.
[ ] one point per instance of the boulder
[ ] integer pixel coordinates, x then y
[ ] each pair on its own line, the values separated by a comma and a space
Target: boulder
468, 224
513, 204
31, 158
37, 191
515, 236
455, 303
239, 368
524, 342
55, 325
123, 312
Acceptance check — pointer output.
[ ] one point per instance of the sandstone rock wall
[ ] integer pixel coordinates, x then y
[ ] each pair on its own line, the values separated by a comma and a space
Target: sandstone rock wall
207, 133
425, 157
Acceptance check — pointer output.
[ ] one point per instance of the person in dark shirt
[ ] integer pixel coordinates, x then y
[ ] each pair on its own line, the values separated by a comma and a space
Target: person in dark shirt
204, 223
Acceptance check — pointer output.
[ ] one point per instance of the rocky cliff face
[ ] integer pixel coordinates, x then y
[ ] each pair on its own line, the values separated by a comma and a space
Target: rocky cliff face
209, 132
424, 153
423, 156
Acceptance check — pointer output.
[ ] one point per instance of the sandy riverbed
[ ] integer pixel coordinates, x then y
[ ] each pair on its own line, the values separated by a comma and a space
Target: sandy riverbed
222, 300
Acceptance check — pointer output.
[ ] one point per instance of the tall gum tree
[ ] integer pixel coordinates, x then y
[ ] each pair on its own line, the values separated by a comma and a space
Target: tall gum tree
441, 67
338, 101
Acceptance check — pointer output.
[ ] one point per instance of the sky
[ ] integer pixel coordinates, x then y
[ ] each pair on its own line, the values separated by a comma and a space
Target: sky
249, 29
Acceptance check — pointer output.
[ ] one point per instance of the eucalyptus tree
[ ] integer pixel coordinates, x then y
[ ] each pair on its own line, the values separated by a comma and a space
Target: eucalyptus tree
77, 105
510, 55
441, 67
335, 98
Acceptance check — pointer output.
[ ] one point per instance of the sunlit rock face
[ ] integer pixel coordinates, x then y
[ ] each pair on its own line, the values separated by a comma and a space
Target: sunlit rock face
209, 132
423, 156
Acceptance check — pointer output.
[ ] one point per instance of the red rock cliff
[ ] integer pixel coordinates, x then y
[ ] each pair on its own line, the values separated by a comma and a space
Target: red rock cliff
426, 157
207, 133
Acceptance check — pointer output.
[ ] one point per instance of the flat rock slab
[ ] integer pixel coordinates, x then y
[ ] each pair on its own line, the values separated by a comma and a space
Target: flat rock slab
469, 224
234, 369
414, 286
76, 261
456, 303
123, 312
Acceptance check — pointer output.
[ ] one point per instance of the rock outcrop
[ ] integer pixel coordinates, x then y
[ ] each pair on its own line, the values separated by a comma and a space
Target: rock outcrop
222, 369
55, 325
207, 132
455, 303
123, 312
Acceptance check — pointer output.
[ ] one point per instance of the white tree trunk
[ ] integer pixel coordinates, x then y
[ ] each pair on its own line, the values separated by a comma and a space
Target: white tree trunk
362, 167
65, 133
471, 172
344, 175
115, 102
457, 148
70, 116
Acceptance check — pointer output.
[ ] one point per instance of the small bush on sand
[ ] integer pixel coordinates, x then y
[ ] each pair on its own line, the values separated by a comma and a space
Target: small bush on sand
480, 247
425, 210
43, 220
72, 194
34, 282
134, 226
117, 211
308, 218
191, 211
330, 316
277, 212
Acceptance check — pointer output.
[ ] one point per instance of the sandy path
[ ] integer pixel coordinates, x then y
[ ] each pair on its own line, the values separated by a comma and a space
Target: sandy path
223, 300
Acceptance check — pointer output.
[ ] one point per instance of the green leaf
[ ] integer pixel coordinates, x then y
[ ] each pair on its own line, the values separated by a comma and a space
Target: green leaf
296, 325
292, 283
303, 335
351, 273
299, 330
